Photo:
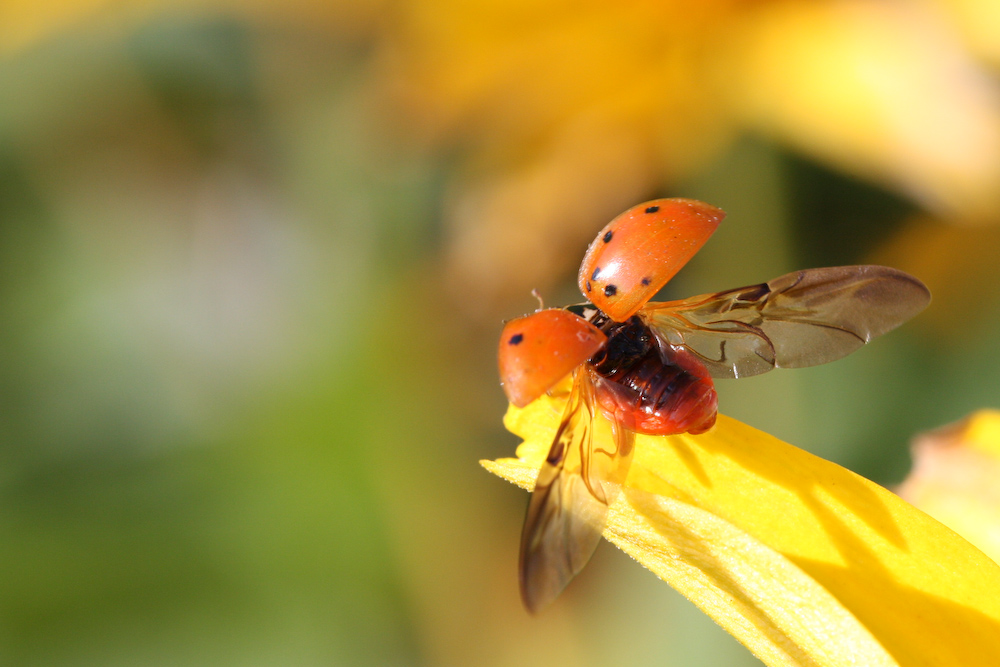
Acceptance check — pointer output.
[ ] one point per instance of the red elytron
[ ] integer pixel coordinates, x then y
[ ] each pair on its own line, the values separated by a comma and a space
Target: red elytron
648, 367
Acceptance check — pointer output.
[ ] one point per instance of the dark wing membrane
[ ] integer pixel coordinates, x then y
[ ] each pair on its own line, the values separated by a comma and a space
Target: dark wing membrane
800, 319
569, 506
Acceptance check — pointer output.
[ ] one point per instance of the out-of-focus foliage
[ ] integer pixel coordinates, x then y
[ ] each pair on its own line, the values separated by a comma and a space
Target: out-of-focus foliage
254, 258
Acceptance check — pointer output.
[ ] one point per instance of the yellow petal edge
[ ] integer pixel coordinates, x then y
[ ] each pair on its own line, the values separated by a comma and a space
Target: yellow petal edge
802, 561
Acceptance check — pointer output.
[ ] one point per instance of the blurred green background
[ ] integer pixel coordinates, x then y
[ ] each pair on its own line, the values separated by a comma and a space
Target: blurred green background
254, 261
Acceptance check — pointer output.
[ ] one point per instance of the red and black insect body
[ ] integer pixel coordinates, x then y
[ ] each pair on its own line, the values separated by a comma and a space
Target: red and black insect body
648, 367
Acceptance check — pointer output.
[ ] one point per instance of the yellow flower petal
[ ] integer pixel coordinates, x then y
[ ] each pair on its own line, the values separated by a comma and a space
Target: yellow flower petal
801, 560
956, 478
983, 432
979, 21
882, 90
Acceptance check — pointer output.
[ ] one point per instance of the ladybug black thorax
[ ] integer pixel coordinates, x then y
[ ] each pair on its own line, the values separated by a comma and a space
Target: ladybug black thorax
628, 343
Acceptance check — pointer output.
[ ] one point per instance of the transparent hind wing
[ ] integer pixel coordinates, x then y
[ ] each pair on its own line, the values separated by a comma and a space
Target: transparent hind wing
568, 508
799, 319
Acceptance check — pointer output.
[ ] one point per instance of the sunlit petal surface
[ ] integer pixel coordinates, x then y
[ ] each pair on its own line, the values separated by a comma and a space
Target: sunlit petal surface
801, 560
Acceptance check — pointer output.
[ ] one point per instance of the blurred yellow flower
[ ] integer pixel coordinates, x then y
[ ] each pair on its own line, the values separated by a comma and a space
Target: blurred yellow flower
801, 560
956, 478
559, 115
564, 114
882, 90
979, 23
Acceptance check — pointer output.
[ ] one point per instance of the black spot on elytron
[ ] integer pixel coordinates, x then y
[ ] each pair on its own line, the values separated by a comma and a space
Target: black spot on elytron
588, 285
646, 281
610, 290
607, 237
593, 276
516, 339
652, 209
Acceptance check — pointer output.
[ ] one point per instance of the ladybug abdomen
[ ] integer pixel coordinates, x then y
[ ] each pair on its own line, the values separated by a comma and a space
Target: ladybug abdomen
653, 390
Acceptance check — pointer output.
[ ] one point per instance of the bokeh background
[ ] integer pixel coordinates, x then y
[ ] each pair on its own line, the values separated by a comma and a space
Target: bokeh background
254, 258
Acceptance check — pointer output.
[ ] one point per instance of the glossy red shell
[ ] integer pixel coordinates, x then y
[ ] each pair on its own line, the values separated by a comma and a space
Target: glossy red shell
538, 350
635, 255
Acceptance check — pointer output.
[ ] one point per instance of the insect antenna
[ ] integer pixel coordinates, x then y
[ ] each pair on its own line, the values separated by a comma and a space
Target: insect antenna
541, 304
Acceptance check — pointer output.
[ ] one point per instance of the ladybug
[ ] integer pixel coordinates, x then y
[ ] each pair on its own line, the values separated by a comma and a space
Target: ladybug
648, 367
